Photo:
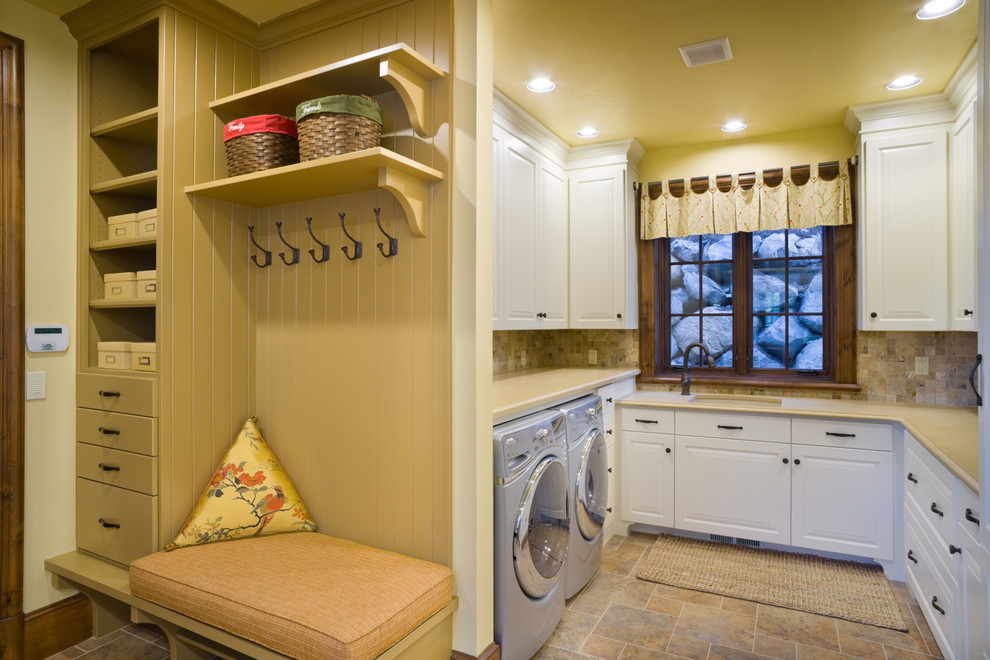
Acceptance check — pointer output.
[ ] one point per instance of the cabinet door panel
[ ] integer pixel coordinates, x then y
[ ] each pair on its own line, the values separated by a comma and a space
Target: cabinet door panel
597, 244
647, 478
738, 488
904, 269
518, 228
843, 501
551, 263
962, 222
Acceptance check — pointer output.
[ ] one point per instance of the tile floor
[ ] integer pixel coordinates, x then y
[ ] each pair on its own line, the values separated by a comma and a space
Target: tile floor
618, 617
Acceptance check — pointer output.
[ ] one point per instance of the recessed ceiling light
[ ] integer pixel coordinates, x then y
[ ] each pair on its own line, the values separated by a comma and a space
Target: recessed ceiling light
541, 85
939, 8
733, 126
588, 131
904, 82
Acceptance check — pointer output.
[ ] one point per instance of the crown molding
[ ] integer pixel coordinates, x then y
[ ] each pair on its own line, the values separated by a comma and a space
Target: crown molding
962, 87
510, 116
621, 152
315, 18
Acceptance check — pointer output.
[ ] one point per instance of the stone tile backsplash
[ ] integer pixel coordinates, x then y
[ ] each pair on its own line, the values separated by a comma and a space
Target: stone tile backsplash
885, 363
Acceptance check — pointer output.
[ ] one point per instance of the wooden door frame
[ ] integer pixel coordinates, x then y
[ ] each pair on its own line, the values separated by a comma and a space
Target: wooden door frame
11, 347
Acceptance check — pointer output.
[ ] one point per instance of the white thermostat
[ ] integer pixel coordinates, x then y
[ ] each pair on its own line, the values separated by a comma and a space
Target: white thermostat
47, 338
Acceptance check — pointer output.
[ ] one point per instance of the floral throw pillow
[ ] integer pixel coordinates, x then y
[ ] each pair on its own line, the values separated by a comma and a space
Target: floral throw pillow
249, 495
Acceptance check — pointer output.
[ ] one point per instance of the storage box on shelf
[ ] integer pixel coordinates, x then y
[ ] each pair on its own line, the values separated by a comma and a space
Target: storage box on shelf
119, 286
147, 223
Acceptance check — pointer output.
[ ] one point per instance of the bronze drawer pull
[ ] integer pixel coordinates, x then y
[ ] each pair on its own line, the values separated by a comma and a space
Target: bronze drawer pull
912, 557
954, 550
912, 478
109, 525
109, 468
730, 428
840, 435
647, 421
936, 605
109, 393
106, 431
935, 509
971, 517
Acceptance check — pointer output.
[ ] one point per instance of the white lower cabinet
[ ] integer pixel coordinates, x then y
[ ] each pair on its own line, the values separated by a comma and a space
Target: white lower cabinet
974, 539
842, 500
739, 488
647, 484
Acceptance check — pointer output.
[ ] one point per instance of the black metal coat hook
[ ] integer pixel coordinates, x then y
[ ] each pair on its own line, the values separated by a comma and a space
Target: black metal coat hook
357, 244
326, 248
393, 243
254, 257
295, 250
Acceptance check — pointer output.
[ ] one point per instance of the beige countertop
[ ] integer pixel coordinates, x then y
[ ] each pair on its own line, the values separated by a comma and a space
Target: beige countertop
526, 390
949, 432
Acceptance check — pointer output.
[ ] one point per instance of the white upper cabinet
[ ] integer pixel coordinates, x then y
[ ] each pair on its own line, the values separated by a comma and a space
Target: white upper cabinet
917, 211
904, 230
962, 221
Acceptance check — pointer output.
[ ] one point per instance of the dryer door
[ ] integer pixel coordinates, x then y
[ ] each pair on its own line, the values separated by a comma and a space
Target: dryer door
591, 494
542, 529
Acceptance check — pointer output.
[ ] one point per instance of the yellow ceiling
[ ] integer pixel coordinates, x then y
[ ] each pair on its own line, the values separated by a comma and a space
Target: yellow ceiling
797, 64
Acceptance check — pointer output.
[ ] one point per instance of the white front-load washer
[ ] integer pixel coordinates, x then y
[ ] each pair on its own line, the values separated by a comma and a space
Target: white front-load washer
587, 490
531, 531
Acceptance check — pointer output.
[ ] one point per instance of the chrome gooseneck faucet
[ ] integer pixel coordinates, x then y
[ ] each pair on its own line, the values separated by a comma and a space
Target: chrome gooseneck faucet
686, 373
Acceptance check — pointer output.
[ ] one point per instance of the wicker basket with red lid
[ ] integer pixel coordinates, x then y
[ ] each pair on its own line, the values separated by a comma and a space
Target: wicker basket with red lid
260, 143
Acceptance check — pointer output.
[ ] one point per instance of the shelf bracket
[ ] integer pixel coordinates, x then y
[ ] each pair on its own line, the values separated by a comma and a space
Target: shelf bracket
412, 89
411, 193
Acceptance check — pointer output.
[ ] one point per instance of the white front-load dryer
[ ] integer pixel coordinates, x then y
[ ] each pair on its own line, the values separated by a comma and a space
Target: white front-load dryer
587, 490
531, 531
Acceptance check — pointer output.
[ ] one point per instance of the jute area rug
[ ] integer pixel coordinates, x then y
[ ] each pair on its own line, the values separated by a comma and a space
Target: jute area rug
843, 589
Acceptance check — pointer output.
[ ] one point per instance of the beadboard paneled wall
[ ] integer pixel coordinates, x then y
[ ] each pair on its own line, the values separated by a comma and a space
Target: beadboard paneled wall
204, 335
351, 359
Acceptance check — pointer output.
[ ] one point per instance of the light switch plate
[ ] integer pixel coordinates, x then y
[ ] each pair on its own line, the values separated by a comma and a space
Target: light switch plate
592, 356
35, 385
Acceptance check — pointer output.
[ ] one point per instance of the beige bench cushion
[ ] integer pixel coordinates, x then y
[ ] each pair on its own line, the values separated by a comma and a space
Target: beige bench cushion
303, 595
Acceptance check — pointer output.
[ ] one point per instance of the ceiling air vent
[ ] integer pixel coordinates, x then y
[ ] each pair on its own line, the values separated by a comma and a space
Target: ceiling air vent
707, 52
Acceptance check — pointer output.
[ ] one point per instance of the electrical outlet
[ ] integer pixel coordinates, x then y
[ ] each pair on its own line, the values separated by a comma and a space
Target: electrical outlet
921, 366
522, 358
592, 356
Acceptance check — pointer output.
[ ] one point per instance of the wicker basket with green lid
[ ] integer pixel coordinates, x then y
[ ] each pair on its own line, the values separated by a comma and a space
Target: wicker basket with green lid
339, 124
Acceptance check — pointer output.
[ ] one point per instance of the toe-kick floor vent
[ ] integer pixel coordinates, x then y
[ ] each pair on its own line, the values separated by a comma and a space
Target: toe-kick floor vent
729, 539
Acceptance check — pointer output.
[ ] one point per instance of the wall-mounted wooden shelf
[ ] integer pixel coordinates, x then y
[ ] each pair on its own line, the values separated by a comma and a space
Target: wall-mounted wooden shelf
358, 171
122, 304
143, 184
395, 67
140, 128
147, 242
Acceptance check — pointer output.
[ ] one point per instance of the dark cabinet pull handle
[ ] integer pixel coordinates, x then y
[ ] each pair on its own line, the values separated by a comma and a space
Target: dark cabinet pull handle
936, 605
967, 312
648, 421
609, 509
668, 450
610, 470
935, 509
109, 525
608, 431
730, 428
106, 431
954, 550
873, 315
786, 461
109, 468
109, 393
972, 375
912, 557
797, 461
971, 518
618, 316
912, 478
608, 400
840, 435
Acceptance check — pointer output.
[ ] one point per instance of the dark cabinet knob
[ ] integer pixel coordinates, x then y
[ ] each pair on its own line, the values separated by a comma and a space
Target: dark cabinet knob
797, 461
608, 431
967, 312
668, 450
954, 550
608, 400
618, 316
786, 461
610, 470
873, 315
609, 509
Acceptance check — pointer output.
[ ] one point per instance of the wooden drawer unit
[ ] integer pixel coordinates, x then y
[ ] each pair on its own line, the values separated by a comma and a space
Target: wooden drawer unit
113, 393
118, 468
117, 431
930, 488
112, 522
649, 420
842, 433
738, 426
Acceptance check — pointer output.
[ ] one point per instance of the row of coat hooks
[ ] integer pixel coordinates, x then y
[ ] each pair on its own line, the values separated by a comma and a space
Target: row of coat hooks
393, 245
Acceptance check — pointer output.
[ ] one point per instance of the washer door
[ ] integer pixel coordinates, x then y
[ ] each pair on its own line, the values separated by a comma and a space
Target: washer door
591, 494
541, 533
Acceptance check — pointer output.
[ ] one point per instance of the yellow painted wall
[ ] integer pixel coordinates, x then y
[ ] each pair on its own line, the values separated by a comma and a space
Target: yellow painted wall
50, 290
740, 154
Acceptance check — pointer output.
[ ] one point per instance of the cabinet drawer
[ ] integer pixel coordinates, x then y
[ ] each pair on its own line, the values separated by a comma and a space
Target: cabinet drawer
135, 513
650, 420
970, 510
123, 394
610, 456
842, 433
117, 468
740, 426
117, 431
919, 533
931, 489
930, 579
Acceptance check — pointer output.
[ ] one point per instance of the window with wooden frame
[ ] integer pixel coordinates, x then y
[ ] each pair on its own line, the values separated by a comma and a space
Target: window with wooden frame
776, 308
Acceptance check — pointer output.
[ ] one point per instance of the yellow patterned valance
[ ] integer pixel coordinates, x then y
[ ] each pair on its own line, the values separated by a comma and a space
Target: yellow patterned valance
786, 198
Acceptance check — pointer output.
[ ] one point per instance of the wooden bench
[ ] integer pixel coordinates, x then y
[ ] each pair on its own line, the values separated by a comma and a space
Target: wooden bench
115, 604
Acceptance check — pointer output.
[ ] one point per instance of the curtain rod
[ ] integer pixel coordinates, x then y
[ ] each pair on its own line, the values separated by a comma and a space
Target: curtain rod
771, 177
